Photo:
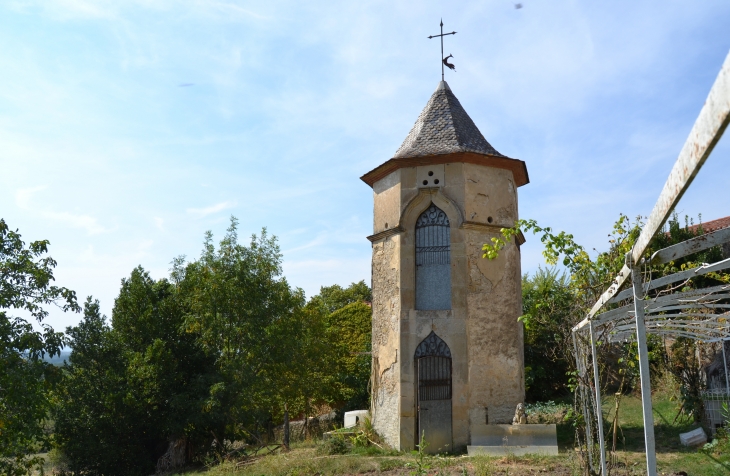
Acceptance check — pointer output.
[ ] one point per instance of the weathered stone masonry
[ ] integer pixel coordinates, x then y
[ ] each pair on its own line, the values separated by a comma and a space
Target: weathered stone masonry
445, 161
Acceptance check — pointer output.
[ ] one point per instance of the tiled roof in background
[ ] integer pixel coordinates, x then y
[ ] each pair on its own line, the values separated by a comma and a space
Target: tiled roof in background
444, 127
713, 225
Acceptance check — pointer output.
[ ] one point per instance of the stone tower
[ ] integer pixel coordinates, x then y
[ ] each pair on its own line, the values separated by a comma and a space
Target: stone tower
447, 346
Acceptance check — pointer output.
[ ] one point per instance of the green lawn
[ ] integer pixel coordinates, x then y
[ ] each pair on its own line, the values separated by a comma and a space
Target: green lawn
671, 455
307, 458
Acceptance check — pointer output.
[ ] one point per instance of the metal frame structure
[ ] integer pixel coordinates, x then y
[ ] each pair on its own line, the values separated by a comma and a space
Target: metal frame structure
702, 314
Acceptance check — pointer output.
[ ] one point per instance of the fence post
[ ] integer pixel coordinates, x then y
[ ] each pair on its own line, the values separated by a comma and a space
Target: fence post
644, 369
724, 361
286, 427
581, 388
599, 410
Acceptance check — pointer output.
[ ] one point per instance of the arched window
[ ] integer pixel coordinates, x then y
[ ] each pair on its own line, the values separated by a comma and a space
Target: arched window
433, 260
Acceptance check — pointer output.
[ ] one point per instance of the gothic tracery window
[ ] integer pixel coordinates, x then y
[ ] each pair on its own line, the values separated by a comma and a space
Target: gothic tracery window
433, 260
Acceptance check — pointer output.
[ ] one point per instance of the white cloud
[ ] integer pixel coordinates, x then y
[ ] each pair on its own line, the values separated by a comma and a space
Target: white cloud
24, 195
23, 199
204, 212
288, 111
88, 223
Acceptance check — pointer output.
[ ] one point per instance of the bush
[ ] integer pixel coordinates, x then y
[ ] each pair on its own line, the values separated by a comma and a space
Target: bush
335, 444
546, 412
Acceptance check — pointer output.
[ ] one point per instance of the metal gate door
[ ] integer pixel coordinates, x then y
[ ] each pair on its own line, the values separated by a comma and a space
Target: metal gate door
434, 394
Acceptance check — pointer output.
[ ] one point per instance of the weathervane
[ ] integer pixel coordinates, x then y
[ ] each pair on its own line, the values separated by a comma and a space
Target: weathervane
444, 61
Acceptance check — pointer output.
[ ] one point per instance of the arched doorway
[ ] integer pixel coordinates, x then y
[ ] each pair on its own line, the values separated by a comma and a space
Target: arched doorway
433, 370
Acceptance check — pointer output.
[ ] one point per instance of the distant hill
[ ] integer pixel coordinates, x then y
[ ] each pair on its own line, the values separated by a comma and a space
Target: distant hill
58, 359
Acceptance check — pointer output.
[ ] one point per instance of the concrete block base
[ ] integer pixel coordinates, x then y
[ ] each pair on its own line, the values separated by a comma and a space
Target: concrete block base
513, 439
512, 450
355, 417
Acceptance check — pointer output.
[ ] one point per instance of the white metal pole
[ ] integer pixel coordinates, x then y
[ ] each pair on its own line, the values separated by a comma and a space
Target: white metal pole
644, 371
724, 361
599, 410
581, 373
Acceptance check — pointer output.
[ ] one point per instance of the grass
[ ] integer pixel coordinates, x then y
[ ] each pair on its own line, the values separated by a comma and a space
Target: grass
629, 460
672, 457
305, 460
308, 458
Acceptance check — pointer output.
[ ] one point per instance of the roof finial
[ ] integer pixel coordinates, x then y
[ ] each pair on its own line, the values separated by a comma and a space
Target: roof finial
444, 61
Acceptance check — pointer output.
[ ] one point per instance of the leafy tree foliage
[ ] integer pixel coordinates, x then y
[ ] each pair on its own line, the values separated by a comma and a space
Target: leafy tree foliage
549, 311
26, 276
347, 318
350, 330
244, 312
132, 387
215, 354
335, 297
91, 418
589, 278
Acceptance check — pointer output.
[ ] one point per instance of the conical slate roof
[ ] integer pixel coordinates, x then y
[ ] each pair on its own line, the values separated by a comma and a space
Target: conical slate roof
444, 127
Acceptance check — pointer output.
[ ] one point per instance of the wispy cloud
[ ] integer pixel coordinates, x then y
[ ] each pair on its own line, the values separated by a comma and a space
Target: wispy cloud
293, 101
24, 201
86, 222
24, 195
204, 212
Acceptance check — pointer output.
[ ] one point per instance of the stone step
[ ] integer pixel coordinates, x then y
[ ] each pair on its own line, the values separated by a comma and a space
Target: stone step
514, 439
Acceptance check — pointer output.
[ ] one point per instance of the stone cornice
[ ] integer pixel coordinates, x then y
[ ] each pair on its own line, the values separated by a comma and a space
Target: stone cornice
385, 234
472, 225
516, 166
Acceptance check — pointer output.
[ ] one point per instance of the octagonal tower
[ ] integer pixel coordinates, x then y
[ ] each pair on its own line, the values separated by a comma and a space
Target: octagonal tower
447, 346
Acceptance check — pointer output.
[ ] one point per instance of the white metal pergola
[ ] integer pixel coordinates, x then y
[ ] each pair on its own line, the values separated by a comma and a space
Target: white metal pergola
702, 314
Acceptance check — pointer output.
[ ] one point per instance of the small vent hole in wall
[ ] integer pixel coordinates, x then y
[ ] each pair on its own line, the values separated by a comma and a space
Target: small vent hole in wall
386, 226
430, 173
489, 219
436, 181
425, 182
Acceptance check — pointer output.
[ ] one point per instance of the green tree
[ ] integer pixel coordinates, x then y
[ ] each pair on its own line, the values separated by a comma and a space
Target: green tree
335, 297
350, 332
247, 316
347, 323
92, 420
26, 274
591, 276
549, 313
135, 386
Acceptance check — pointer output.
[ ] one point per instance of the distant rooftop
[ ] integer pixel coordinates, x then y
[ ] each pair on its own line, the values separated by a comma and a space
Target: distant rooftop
444, 127
713, 225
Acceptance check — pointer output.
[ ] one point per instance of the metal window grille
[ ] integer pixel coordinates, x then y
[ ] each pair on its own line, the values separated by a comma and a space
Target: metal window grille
433, 237
434, 378
433, 360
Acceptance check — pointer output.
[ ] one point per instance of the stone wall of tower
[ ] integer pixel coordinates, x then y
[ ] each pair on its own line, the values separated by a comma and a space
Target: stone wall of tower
386, 272
481, 328
494, 298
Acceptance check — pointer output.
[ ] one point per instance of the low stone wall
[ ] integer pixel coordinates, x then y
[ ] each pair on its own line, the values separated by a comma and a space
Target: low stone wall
316, 426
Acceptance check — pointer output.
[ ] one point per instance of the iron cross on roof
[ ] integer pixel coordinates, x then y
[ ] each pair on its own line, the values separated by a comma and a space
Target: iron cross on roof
444, 61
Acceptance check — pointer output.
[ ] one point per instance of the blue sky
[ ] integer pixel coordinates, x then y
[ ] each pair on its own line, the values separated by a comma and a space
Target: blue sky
129, 128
